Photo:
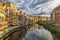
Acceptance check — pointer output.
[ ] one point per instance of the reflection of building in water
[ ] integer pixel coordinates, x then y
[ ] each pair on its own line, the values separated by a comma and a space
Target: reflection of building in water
55, 16
35, 26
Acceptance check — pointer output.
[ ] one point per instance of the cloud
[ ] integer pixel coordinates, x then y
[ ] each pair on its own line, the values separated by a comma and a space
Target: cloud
35, 7
17, 2
47, 7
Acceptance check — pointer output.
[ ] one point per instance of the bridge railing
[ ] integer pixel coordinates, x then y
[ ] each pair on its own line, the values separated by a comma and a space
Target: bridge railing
17, 33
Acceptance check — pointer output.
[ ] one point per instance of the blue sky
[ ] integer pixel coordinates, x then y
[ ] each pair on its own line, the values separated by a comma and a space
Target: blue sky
36, 7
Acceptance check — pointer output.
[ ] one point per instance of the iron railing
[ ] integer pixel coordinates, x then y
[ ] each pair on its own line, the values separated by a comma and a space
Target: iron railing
17, 33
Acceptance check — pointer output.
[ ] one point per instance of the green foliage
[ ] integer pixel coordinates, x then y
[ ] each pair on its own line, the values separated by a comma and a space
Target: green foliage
54, 29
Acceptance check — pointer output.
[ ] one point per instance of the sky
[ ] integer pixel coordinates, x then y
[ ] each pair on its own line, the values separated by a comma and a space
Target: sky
36, 7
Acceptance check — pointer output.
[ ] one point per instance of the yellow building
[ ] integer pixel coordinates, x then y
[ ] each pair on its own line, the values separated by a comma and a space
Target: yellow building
1, 4
12, 12
34, 18
3, 19
47, 19
3, 16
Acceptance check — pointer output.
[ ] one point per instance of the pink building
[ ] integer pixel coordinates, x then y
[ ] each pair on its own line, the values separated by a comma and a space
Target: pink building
55, 16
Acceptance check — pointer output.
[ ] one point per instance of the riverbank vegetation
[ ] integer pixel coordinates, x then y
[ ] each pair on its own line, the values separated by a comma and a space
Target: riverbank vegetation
54, 29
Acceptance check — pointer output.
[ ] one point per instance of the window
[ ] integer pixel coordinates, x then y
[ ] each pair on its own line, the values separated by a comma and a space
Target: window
1, 18
1, 11
15, 19
0, 25
58, 14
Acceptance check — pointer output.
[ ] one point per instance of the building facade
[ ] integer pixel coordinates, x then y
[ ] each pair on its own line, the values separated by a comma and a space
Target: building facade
3, 17
55, 16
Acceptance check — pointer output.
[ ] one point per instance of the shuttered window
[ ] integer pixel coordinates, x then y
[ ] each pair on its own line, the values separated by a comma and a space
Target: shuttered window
1, 18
